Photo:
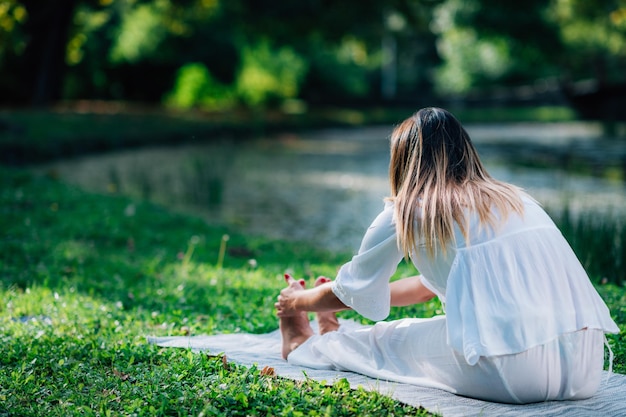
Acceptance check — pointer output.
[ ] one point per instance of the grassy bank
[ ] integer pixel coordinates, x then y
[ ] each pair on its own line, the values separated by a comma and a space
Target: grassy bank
84, 278
31, 136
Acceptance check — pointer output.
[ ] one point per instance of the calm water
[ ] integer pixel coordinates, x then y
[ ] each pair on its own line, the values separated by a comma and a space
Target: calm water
326, 187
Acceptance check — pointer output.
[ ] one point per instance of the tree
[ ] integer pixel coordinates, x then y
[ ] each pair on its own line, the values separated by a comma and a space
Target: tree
132, 49
487, 42
43, 31
594, 36
52, 35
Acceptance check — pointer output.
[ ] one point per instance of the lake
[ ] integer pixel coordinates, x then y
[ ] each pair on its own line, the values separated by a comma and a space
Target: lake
326, 186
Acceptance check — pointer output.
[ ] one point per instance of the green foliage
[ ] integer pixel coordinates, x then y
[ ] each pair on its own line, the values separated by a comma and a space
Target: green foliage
131, 49
13, 40
594, 35
599, 242
269, 74
195, 87
468, 59
266, 76
350, 59
12, 16
480, 45
615, 297
140, 33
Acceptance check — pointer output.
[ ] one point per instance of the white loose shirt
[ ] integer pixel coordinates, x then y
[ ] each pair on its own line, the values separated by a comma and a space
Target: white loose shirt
505, 292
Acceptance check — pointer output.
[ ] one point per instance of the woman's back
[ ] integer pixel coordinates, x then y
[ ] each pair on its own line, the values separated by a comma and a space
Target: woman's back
512, 288
437, 268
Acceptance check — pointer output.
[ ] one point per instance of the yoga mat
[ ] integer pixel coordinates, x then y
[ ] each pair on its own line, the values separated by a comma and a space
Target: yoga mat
264, 350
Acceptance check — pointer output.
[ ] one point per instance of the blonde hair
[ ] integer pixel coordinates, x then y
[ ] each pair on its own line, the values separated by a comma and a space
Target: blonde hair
435, 172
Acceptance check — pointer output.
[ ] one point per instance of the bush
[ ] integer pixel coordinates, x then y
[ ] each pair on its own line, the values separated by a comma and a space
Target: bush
195, 87
269, 75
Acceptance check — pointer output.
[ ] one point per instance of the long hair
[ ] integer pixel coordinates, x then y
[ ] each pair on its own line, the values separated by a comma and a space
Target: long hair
436, 174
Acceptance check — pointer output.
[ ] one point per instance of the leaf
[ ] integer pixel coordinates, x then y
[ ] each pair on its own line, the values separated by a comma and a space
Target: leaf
120, 375
342, 384
268, 371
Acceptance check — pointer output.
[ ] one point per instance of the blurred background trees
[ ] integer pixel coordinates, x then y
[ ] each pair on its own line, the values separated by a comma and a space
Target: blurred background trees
218, 54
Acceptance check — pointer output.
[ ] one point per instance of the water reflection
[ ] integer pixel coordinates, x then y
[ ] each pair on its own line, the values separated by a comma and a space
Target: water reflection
326, 187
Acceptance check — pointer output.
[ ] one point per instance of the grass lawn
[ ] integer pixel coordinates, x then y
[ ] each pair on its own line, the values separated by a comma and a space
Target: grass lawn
84, 278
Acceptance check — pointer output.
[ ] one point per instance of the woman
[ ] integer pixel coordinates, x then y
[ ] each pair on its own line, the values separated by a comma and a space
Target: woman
523, 322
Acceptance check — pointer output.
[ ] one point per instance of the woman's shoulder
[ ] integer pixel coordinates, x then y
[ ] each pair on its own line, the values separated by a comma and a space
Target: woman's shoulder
534, 213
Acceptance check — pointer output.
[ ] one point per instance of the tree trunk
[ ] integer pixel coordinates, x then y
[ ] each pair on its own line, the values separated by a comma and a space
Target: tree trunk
43, 63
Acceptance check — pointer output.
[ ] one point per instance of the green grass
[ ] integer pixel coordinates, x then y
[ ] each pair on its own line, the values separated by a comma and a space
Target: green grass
85, 277
599, 242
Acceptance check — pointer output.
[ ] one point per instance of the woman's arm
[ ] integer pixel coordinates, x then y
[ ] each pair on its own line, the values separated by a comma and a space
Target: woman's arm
407, 291
295, 298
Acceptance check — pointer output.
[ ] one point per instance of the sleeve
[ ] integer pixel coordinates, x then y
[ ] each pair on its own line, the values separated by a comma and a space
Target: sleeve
363, 283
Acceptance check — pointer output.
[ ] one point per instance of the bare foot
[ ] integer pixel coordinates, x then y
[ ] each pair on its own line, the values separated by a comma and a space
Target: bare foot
326, 321
294, 330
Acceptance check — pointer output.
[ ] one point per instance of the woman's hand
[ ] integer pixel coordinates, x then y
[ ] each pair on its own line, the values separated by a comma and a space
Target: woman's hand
286, 304
295, 298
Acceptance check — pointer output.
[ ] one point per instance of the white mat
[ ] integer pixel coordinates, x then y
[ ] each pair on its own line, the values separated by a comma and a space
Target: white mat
264, 350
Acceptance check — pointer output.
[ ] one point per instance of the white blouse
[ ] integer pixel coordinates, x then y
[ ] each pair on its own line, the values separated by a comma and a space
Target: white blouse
505, 292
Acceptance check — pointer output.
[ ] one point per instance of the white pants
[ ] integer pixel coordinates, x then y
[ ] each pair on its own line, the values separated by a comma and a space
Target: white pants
415, 351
